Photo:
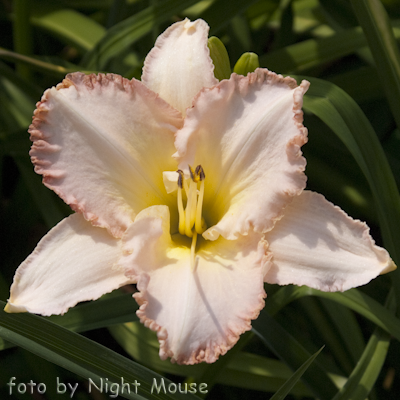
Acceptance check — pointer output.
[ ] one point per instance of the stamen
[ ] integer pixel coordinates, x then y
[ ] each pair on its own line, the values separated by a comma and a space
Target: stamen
180, 178
191, 172
191, 216
181, 211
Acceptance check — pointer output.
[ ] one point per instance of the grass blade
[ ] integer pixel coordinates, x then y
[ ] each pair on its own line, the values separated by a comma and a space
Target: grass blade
293, 354
377, 29
71, 26
40, 65
243, 369
364, 375
80, 355
121, 36
23, 42
342, 114
113, 309
353, 299
288, 385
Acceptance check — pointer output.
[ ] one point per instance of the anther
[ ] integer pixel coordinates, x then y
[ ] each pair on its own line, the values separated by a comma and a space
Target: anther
180, 178
199, 172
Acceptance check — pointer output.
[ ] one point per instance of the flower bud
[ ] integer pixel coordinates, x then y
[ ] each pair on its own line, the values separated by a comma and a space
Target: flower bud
220, 58
248, 62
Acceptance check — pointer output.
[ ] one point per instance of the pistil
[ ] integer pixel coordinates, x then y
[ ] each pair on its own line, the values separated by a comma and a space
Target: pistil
193, 251
190, 212
181, 210
200, 225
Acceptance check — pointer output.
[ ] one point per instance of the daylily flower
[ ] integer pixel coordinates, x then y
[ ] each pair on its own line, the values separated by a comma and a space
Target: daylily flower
189, 187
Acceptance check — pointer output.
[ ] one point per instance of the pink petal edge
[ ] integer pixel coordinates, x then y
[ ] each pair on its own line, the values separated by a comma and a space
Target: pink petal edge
73, 262
203, 118
198, 329
179, 65
47, 145
317, 244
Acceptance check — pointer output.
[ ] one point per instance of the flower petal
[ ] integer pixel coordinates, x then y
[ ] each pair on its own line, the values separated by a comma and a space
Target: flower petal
246, 133
198, 313
179, 65
319, 245
101, 143
74, 262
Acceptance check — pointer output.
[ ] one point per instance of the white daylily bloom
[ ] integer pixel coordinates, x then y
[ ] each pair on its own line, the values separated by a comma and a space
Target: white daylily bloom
192, 189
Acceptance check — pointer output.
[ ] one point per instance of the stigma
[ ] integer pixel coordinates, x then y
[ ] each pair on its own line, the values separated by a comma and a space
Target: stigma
191, 221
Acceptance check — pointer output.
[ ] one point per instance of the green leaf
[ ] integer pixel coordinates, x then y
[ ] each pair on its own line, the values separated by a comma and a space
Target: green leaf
218, 15
353, 82
285, 35
379, 33
213, 371
341, 11
121, 36
364, 375
22, 30
243, 370
30, 89
311, 53
81, 355
46, 201
38, 64
109, 310
346, 328
353, 299
17, 107
71, 26
288, 385
326, 329
289, 350
141, 343
342, 114
251, 371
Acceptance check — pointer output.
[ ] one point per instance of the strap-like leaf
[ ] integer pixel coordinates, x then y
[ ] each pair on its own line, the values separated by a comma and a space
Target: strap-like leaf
82, 356
127, 32
289, 350
284, 390
353, 299
109, 310
71, 26
342, 114
379, 33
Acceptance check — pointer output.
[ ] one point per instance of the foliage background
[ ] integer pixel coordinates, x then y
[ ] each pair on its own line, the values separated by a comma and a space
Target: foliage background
352, 112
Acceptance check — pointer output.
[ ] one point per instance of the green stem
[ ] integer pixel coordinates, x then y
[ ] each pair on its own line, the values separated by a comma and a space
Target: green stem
23, 43
56, 70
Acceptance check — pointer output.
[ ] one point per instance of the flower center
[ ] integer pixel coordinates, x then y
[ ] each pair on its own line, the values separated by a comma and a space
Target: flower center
191, 221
